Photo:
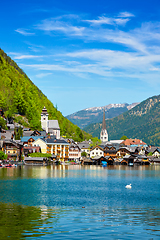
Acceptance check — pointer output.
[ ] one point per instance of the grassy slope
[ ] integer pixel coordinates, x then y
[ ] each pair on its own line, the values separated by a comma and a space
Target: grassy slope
19, 95
143, 122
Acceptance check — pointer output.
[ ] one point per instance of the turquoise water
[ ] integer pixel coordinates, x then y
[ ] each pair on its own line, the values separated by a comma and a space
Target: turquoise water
73, 202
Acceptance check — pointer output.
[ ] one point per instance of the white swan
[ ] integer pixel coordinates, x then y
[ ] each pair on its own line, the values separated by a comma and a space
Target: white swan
128, 186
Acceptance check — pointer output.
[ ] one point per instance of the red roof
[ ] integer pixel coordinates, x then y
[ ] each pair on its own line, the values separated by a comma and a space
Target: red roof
135, 141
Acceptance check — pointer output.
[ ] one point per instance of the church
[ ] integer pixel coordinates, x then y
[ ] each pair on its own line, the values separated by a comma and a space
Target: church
104, 133
50, 126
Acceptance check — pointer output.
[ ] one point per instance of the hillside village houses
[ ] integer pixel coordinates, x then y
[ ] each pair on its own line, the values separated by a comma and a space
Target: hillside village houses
49, 140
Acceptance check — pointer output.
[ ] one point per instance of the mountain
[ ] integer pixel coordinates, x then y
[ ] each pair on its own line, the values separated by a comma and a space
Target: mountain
142, 121
22, 101
95, 114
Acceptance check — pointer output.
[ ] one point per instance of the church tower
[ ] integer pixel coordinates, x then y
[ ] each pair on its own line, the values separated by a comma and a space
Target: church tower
104, 134
44, 119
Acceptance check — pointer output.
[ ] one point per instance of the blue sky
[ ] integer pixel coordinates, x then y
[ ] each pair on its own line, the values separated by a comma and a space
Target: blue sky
85, 54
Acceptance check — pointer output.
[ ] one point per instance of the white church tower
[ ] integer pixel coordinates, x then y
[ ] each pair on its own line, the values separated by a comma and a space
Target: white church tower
44, 119
104, 134
50, 126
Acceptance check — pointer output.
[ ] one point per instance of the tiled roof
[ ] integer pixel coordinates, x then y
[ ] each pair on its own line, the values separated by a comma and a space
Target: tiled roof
84, 145
33, 158
25, 139
137, 142
56, 141
53, 124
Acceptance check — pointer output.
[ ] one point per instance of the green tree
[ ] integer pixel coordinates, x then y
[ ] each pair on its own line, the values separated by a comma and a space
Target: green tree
84, 154
123, 137
18, 133
3, 155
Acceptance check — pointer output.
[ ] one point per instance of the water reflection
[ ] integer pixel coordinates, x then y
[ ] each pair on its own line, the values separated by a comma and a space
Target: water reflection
73, 202
63, 171
15, 219
23, 222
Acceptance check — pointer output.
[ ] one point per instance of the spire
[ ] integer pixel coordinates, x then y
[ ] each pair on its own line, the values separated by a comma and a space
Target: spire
104, 122
44, 111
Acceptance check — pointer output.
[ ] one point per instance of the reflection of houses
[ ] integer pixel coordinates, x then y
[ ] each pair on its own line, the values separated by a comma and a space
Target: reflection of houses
58, 147
97, 151
74, 152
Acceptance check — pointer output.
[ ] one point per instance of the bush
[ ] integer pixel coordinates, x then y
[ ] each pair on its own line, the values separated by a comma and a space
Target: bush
3, 155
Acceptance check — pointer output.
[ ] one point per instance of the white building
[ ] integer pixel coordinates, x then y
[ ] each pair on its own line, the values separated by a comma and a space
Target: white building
50, 126
104, 134
96, 151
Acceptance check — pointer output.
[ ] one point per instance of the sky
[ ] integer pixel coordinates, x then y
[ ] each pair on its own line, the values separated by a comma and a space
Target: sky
84, 54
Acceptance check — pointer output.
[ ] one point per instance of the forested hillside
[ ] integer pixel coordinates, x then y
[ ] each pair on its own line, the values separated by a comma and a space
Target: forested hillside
23, 101
142, 121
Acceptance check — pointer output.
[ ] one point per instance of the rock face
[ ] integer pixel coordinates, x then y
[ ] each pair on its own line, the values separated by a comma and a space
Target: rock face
95, 114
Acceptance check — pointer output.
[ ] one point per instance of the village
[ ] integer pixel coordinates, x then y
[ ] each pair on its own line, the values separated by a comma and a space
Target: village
66, 151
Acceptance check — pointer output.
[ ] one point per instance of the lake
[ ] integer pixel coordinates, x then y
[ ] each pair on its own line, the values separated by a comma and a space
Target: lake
76, 202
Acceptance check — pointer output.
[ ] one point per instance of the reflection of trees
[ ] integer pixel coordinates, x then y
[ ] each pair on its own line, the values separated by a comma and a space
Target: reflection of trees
14, 220
18, 222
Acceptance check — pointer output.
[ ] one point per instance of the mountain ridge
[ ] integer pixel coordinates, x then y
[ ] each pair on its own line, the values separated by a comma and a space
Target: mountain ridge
142, 121
87, 116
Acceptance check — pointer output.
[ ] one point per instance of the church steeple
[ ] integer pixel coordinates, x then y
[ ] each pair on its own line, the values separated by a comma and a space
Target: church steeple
104, 122
44, 119
104, 134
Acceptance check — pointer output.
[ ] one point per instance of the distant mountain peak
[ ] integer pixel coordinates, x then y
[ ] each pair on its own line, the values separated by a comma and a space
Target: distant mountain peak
95, 114
141, 121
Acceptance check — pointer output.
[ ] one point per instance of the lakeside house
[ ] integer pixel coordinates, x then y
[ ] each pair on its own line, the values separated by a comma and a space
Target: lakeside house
96, 151
128, 152
74, 152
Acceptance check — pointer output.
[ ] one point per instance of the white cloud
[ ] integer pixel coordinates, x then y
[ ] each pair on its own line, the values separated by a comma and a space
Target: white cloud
92, 33
139, 58
24, 32
106, 20
101, 20
41, 75
125, 15
50, 25
24, 56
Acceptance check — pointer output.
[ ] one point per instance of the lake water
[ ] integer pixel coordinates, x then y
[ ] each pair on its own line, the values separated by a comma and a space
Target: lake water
76, 202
